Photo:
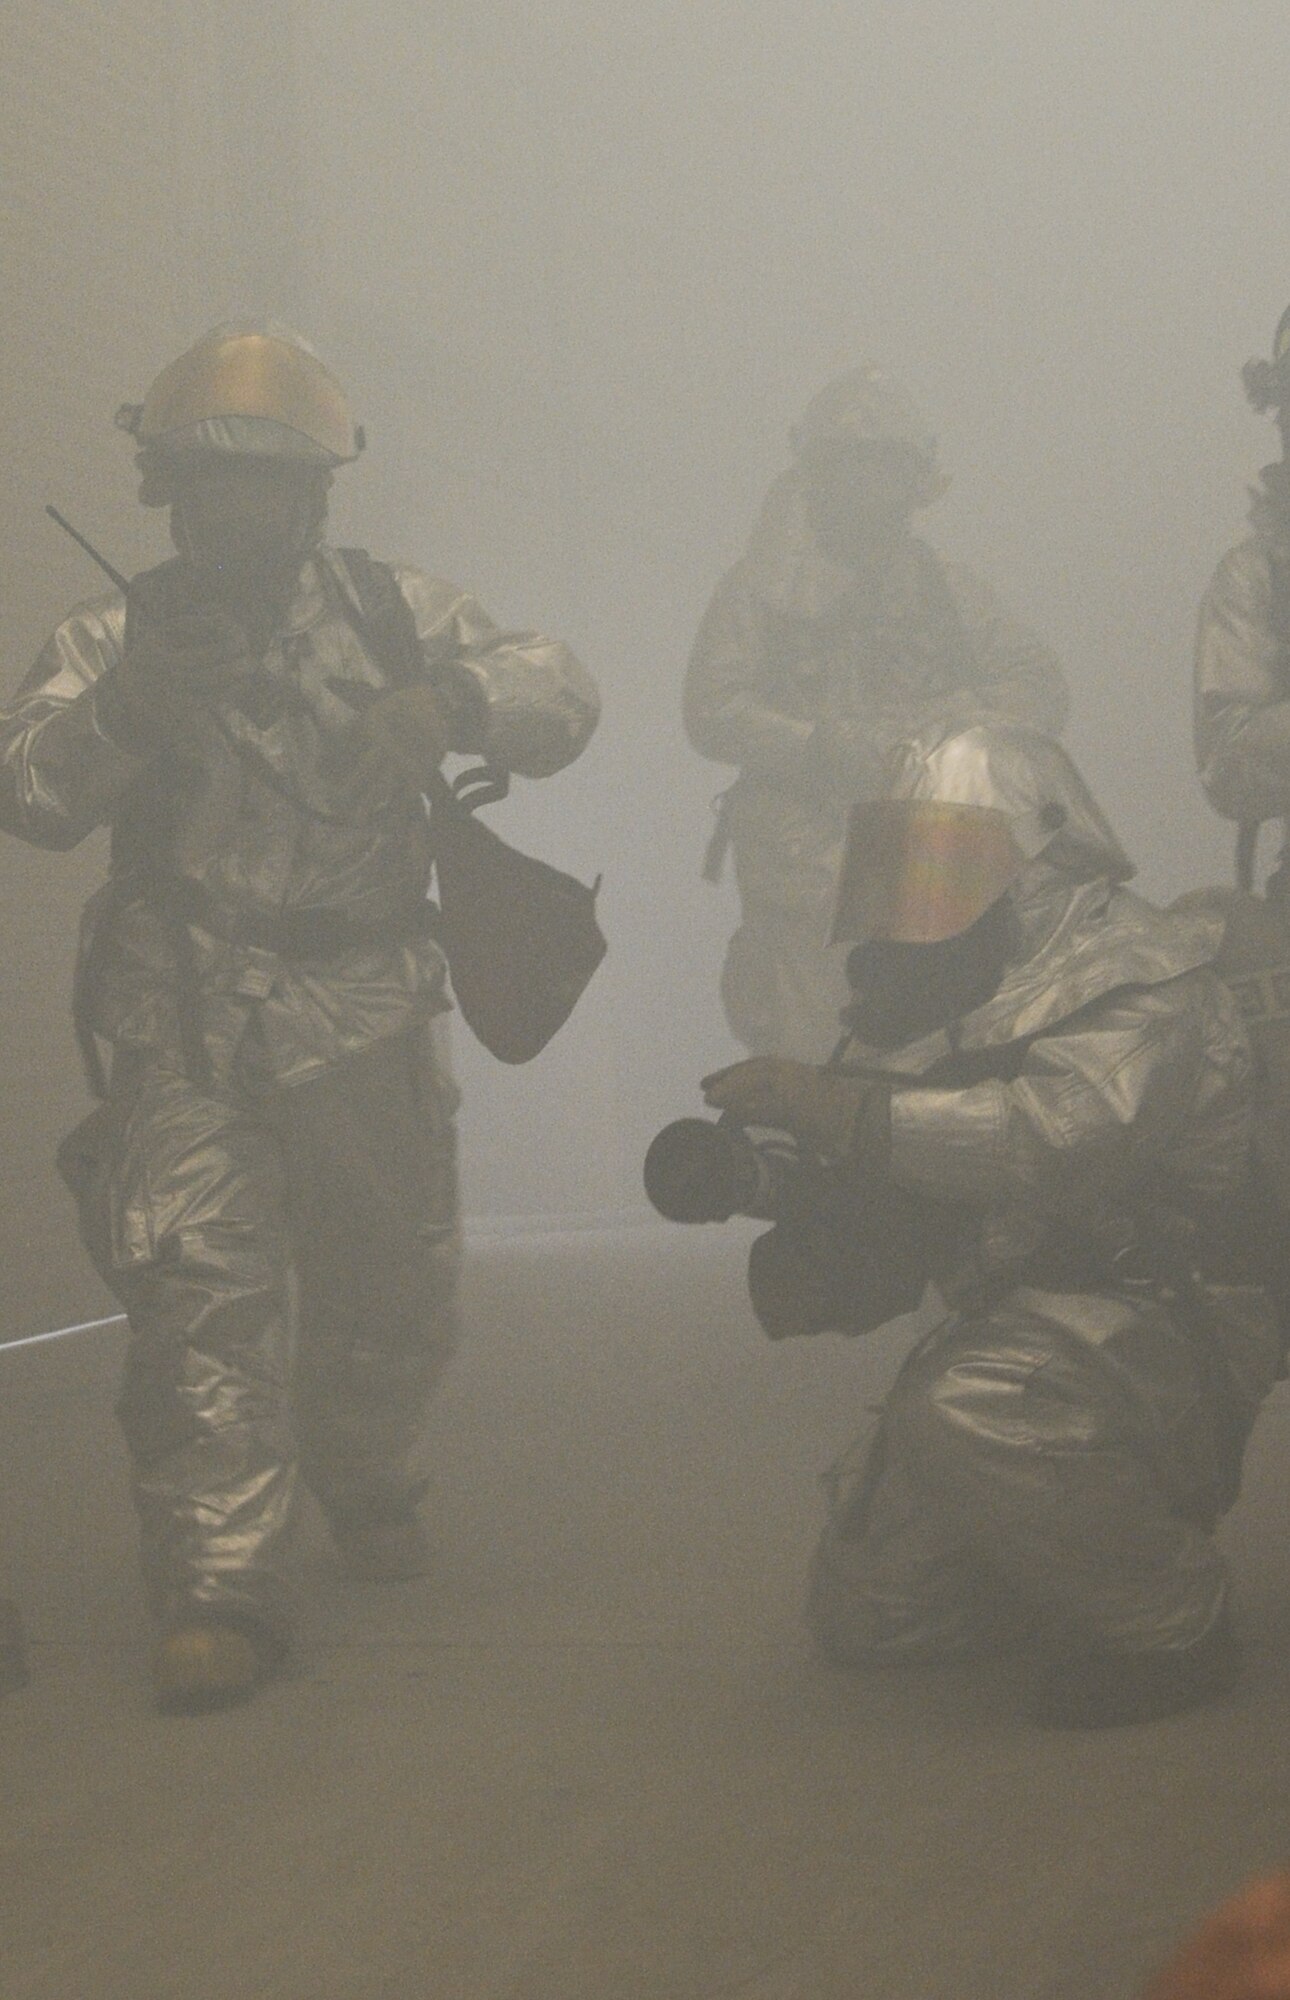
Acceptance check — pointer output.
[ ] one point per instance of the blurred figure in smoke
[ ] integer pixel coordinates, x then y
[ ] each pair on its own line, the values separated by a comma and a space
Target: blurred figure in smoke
1051, 1069
1241, 1952
1242, 677
1242, 732
839, 633
269, 1187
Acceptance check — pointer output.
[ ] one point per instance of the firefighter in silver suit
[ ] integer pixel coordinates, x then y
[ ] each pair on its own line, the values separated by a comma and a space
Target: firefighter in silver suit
1242, 669
839, 632
1054, 1067
268, 1185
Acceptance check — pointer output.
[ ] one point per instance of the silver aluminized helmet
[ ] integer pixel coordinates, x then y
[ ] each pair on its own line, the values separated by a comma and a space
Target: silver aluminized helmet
963, 815
867, 405
250, 388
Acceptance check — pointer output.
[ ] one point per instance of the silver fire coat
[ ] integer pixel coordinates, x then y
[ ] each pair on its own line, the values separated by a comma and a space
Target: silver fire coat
292, 1220
1242, 699
805, 675
271, 824
1052, 1450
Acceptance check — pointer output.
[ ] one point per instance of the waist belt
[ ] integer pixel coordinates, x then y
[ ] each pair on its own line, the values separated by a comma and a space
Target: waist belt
299, 933
1178, 1255
1223, 1245
180, 902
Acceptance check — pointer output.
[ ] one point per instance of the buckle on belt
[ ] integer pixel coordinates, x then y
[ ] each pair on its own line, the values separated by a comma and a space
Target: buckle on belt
257, 974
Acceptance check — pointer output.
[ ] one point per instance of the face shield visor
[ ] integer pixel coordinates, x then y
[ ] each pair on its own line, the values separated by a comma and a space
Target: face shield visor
965, 816
920, 871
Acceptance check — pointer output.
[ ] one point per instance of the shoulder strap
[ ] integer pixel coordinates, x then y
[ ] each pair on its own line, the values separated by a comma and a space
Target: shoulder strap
957, 1071
383, 616
967, 1067
145, 817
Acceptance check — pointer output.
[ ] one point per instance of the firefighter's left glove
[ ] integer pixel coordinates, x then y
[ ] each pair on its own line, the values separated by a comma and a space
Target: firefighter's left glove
174, 672
410, 732
834, 1116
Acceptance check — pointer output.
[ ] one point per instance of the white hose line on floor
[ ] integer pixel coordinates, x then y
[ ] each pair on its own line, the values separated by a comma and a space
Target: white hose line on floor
62, 1332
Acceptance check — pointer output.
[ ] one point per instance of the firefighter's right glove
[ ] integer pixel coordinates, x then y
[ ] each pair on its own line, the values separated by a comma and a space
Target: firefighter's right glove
836, 1116
175, 672
409, 732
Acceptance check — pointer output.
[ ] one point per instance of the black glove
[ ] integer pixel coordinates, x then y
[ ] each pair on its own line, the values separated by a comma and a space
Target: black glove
408, 729
175, 671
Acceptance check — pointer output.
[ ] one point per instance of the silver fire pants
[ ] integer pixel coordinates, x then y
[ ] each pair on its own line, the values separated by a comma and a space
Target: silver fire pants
1028, 1481
287, 1259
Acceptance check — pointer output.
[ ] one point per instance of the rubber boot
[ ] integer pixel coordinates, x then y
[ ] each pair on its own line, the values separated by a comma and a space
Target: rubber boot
207, 1664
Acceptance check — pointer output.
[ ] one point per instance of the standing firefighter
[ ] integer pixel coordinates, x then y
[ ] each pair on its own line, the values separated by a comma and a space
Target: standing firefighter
1243, 643
839, 633
269, 1185
1045, 1107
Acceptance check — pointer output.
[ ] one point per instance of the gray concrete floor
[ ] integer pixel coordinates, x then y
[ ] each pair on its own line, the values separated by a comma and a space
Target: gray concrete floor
593, 1758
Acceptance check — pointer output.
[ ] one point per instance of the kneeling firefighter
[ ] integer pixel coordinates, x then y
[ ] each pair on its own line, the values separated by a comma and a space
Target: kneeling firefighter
1042, 1104
269, 1185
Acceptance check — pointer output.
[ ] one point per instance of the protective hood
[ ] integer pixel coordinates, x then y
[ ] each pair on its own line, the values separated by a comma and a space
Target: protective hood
1092, 939
1267, 383
964, 816
784, 563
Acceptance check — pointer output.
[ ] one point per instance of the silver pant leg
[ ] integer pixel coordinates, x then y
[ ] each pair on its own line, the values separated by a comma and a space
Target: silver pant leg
372, 1196
182, 1211
1061, 1469
891, 1579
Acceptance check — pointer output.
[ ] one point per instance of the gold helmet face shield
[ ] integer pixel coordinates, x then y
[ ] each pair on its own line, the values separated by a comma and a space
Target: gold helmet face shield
249, 375
919, 871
